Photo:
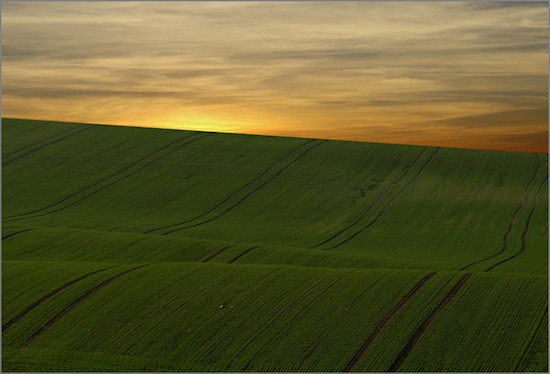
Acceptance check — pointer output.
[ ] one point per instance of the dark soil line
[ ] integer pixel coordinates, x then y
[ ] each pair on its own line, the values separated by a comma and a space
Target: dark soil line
45, 145
251, 192
15, 233
390, 203
38, 143
115, 174
275, 318
388, 190
512, 222
524, 233
242, 254
53, 293
543, 318
418, 333
113, 182
82, 298
296, 316
376, 333
216, 254
306, 359
234, 192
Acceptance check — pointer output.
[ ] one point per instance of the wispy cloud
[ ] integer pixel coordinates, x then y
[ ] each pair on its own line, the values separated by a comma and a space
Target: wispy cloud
373, 71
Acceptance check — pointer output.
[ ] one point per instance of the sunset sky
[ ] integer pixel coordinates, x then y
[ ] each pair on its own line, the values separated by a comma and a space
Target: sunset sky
457, 74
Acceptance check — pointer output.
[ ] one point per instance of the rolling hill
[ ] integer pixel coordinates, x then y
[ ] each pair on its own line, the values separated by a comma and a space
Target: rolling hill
134, 249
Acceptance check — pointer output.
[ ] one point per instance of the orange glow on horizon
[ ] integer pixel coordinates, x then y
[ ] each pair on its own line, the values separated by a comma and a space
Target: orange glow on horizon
451, 74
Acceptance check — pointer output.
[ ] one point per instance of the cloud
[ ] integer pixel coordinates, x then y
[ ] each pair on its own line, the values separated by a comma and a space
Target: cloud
501, 120
371, 68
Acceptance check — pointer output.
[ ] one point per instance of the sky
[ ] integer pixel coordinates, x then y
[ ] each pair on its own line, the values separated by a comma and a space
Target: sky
451, 74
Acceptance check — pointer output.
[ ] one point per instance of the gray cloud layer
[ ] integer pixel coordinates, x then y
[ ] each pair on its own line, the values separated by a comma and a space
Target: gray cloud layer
326, 69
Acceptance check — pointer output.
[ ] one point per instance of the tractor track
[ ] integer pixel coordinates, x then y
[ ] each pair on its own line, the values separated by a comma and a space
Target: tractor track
15, 233
251, 192
378, 331
66, 310
388, 190
390, 203
45, 145
112, 182
306, 359
234, 192
418, 333
48, 296
216, 254
512, 222
117, 173
524, 233
37, 143
242, 254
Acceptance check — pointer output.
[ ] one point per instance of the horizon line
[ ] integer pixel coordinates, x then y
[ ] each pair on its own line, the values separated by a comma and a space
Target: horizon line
278, 136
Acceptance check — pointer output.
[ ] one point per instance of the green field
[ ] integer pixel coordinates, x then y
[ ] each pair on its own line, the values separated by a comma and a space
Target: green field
133, 249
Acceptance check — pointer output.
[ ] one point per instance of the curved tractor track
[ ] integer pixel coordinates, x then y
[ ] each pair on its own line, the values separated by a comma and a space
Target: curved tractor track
388, 190
66, 310
44, 145
225, 199
7, 155
48, 296
389, 204
512, 222
378, 331
231, 207
418, 333
112, 179
524, 233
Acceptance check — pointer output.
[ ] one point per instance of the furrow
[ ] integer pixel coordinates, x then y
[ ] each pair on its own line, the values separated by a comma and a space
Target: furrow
216, 254
111, 176
15, 233
512, 222
389, 204
376, 333
38, 143
250, 193
388, 190
306, 359
82, 298
48, 296
234, 192
524, 233
242, 254
418, 333
45, 145
112, 182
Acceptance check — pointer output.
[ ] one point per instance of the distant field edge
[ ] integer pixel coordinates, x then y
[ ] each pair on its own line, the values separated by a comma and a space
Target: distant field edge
248, 134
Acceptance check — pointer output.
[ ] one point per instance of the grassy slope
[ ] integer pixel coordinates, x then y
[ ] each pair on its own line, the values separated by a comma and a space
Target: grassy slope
79, 198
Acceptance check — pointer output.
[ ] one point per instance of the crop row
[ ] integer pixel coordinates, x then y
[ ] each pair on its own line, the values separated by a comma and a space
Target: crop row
486, 327
22, 330
252, 317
